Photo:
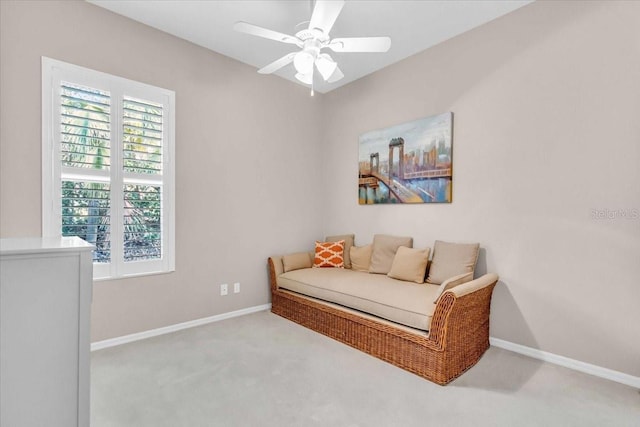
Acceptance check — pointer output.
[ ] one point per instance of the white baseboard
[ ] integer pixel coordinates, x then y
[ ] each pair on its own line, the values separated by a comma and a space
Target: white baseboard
576, 365
99, 345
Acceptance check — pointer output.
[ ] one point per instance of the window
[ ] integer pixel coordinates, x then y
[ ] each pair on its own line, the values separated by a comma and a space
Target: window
108, 168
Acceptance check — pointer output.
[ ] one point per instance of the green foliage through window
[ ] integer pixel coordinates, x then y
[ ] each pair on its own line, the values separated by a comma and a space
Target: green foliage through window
142, 133
142, 226
85, 213
85, 127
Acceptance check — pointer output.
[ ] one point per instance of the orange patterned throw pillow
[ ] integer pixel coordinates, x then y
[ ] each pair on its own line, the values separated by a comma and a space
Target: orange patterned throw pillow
329, 254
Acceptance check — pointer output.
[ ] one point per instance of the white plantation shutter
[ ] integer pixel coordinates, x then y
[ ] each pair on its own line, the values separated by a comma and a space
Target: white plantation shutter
85, 117
142, 134
108, 168
85, 139
142, 131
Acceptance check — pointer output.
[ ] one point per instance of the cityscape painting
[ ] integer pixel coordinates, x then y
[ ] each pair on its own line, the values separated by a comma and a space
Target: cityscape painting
407, 163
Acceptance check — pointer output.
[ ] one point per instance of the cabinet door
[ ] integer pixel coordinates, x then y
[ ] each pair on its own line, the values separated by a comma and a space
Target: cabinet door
39, 325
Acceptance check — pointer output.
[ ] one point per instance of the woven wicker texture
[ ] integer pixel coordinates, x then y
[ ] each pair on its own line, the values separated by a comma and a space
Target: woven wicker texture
459, 331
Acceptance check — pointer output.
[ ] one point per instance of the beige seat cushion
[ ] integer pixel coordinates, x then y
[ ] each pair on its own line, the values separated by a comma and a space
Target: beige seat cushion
348, 243
402, 302
384, 249
452, 259
409, 264
361, 257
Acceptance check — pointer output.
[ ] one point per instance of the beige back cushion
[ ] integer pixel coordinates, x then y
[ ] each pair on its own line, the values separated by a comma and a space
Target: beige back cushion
296, 261
361, 257
348, 242
384, 249
452, 259
409, 264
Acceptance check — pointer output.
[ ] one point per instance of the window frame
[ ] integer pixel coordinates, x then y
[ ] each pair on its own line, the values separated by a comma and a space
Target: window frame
54, 72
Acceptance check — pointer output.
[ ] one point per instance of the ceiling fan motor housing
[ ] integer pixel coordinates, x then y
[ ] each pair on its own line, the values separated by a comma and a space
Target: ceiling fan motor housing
305, 59
307, 34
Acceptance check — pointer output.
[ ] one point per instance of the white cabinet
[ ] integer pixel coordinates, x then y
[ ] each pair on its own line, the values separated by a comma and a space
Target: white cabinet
45, 303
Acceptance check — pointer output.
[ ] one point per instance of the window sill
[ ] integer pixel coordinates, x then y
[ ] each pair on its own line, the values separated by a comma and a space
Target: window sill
132, 275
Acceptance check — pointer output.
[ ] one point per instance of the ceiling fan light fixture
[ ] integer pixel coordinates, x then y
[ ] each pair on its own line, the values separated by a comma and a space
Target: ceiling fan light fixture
326, 66
305, 78
303, 62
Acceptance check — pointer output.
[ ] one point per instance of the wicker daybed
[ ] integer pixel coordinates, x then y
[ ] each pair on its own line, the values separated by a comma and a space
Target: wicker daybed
458, 334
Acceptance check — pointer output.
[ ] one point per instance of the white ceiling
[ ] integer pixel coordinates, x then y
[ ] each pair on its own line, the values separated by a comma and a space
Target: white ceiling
412, 25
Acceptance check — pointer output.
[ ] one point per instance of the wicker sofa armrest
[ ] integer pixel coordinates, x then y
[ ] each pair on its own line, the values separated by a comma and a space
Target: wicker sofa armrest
474, 285
276, 268
461, 316
278, 264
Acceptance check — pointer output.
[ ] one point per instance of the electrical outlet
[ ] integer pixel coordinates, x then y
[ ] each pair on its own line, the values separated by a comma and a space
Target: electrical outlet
236, 288
224, 289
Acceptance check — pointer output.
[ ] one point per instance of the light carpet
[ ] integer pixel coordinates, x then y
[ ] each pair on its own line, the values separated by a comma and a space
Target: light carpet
263, 370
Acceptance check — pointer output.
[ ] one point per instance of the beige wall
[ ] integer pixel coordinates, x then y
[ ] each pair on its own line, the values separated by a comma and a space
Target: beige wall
546, 104
236, 203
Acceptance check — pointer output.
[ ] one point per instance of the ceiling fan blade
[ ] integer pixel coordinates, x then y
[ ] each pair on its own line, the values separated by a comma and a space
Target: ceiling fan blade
326, 66
337, 75
360, 44
245, 27
305, 78
325, 14
278, 63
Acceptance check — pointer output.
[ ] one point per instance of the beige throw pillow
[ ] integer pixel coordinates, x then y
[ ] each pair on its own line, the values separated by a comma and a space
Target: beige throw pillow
361, 257
296, 261
452, 259
409, 264
452, 282
384, 249
348, 242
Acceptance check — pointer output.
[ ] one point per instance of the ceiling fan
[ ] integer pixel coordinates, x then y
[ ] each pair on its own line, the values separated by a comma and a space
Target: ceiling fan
312, 41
